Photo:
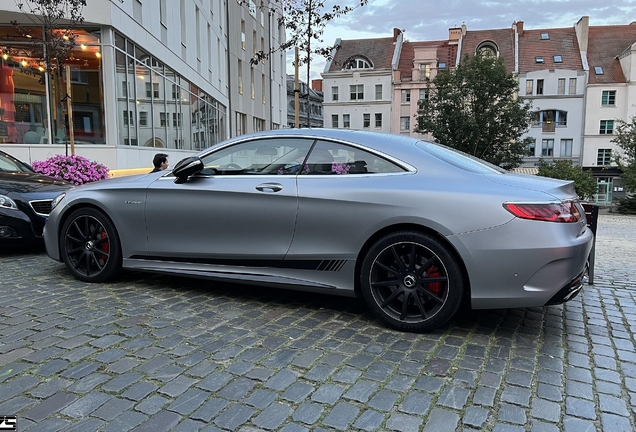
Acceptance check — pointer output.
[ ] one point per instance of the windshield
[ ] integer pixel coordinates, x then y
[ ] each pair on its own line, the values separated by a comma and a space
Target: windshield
7, 163
459, 159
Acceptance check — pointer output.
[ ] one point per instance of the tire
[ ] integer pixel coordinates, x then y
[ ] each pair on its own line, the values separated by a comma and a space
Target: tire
90, 246
411, 281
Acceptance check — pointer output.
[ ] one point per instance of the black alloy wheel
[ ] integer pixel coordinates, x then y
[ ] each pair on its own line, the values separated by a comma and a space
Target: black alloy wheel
411, 281
90, 246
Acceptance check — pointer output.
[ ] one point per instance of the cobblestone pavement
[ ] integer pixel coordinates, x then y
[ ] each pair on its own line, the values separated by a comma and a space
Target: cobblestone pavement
156, 353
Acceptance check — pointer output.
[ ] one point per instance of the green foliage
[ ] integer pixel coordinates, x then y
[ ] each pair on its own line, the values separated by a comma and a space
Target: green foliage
475, 108
584, 181
627, 205
626, 140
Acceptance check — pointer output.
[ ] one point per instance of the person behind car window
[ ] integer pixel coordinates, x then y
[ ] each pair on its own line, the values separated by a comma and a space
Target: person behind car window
160, 161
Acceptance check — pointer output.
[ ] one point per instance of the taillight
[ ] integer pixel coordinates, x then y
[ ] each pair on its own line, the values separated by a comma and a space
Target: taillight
550, 212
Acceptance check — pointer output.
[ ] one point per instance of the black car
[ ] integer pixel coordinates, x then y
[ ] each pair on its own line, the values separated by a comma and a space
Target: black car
25, 201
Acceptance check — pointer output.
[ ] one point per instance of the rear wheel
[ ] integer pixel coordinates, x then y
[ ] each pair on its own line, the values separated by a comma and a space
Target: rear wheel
90, 246
411, 281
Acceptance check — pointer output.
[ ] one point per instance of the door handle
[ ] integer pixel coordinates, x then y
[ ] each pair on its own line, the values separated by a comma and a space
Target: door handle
269, 187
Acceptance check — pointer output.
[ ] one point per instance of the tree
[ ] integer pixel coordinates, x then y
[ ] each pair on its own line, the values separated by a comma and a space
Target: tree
626, 139
475, 108
584, 181
49, 27
305, 22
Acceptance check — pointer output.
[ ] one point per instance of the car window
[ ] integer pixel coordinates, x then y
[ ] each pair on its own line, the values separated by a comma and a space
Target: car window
8, 164
338, 159
271, 156
459, 158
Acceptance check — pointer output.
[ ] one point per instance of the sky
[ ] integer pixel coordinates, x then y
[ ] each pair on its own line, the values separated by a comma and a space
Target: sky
425, 20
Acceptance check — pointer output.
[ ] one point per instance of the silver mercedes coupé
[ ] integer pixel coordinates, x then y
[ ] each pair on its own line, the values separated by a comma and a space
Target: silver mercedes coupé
411, 226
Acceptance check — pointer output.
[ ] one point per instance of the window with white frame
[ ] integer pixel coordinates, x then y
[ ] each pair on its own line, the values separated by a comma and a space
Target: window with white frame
152, 89
566, 148
572, 86
357, 91
378, 92
425, 71
128, 118
604, 157
405, 124
143, 118
529, 86
608, 98
334, 121
358, 63
561, 86
539, 86
423, 94
606, 127
406, 96
530, 148
334, 93
162, 119
366, 120
378, 120
346, 121
547, 147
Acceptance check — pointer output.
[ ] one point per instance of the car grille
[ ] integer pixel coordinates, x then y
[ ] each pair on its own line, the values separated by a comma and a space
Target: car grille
41, 207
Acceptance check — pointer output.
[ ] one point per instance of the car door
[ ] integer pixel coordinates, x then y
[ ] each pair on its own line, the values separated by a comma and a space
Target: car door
343, 193
243, 205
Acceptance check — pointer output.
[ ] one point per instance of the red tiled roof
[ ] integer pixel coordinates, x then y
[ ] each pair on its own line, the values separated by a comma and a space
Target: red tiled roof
562, 42
379, 51
605, 43
504, 38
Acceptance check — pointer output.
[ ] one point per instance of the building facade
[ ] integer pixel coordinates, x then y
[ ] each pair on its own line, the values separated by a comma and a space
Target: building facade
311, 110
418, 65
610, 53
142, 78
357, 83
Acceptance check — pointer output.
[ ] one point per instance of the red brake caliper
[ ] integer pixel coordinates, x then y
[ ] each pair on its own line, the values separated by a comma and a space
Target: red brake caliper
105, 245
436, 287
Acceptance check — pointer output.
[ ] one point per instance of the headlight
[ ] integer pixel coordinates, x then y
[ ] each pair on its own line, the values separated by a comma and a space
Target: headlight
7, 203
57, 200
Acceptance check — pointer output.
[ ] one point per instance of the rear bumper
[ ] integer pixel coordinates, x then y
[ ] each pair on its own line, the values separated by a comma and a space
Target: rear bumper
568, 292
524, 263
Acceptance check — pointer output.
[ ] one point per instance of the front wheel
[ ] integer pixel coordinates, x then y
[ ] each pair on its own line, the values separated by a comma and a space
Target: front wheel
90, 246
411, 281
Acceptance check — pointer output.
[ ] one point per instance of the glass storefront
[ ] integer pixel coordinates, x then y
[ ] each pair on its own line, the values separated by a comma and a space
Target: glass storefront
156, 107
33, 104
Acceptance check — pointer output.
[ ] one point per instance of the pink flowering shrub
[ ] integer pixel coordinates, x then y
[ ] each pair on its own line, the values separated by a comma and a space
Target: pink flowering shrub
74, 169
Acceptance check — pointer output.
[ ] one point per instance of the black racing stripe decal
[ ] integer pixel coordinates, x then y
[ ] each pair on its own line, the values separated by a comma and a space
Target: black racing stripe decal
320, 265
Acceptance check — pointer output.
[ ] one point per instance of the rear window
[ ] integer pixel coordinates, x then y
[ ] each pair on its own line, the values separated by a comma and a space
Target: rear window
459, 159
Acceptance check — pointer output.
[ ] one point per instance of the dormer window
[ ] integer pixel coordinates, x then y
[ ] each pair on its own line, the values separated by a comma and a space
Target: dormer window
558, 59
598, 70
545, 36
358, 63
488, 49
539, 59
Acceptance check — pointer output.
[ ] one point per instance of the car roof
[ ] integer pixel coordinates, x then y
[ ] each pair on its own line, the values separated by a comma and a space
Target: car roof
395, 145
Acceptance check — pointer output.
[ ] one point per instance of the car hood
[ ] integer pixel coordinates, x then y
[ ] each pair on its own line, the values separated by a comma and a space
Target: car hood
560, 189
20, 182
122, 182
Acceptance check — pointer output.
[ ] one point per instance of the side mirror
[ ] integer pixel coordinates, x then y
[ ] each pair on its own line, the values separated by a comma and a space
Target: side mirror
186, 167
